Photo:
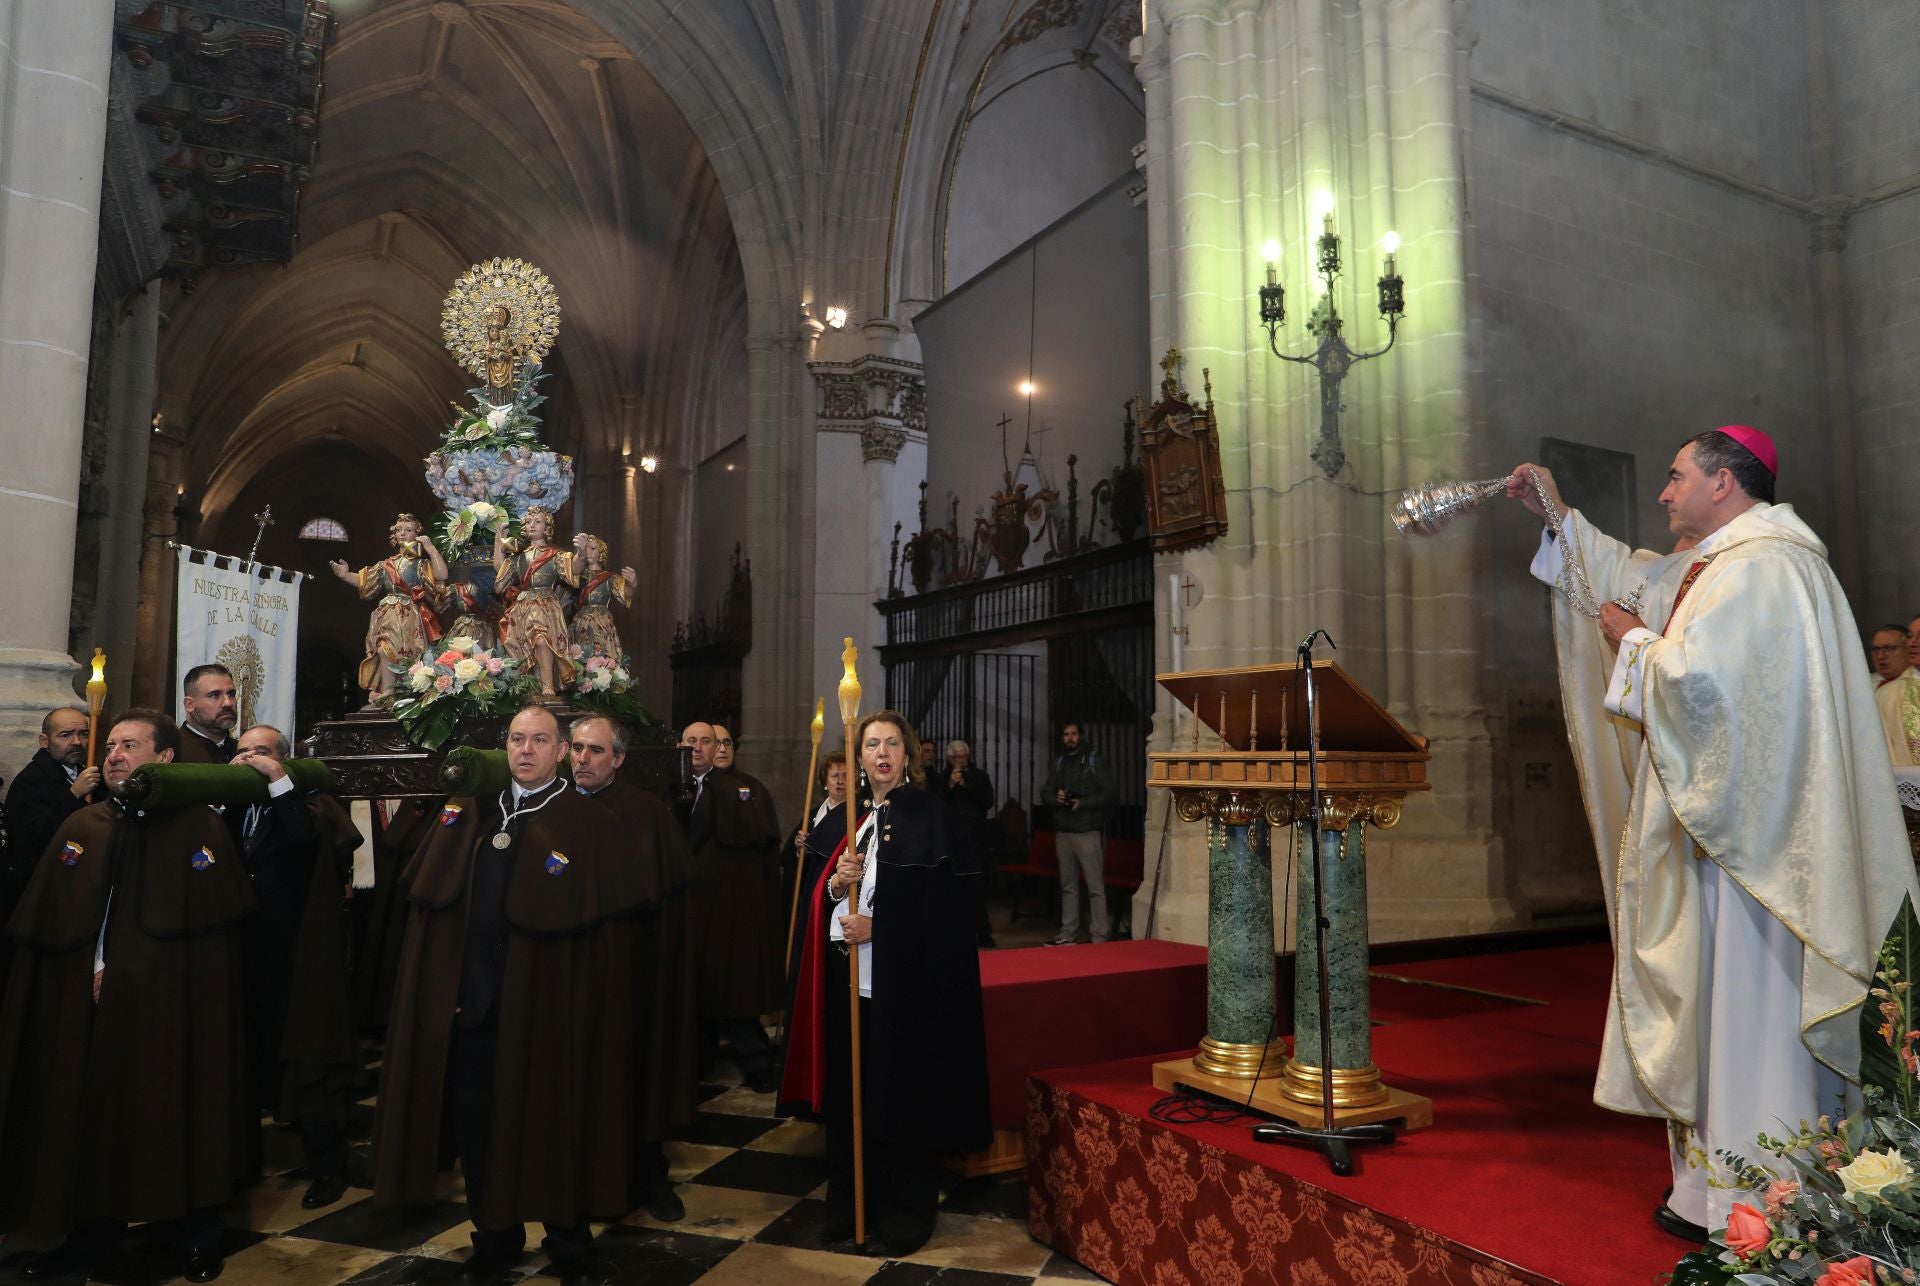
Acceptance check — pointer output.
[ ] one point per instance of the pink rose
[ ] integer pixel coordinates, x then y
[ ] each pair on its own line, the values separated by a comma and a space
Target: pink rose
1747, 1230
443, 684
1857, 1271
495, 665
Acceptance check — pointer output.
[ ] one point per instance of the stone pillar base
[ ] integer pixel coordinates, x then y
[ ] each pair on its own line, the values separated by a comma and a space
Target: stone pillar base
32, 682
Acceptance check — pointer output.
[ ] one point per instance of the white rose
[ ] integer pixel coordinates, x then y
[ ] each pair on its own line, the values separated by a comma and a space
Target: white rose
483, 512
497, 417
421, 678
457, 643
466, 670
1871, 1173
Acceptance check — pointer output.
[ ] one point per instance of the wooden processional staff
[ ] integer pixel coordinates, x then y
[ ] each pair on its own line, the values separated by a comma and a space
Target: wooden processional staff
819, 726
849, 717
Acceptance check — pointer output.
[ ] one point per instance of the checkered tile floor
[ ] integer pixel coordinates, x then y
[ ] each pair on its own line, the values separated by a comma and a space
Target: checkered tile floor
753, 1187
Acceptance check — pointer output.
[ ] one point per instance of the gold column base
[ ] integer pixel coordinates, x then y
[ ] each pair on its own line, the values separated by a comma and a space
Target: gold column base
1241, 1062
1352, 1086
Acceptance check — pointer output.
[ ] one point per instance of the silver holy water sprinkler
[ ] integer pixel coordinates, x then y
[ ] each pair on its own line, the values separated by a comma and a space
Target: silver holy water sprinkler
1426, 511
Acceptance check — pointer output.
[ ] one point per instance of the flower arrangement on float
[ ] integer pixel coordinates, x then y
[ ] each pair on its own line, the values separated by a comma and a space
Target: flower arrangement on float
603, 685
454, 680
1842, 1206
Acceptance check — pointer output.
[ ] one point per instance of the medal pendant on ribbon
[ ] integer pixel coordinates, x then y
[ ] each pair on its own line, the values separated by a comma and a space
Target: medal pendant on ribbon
502, 840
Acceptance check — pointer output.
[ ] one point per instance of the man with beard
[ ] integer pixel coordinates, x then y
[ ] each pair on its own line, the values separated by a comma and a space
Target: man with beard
56, 783
122, 1064
211, 704
667, 1050
303, 1051
513, 1015
738, 922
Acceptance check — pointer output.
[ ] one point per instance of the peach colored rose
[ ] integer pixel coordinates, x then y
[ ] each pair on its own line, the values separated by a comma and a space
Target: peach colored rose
1778, 1194
1857, 1271
449, 656
1747, 1230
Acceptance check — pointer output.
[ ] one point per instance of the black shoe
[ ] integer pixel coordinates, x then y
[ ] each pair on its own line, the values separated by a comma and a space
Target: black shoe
576, 1273
485, 1270
204, 1265
64, 1260
663, 1203
324, 1191
1667, 1221
763, 1081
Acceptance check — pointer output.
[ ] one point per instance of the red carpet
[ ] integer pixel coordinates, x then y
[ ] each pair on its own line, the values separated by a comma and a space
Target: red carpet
1107, 1000
1521, 1178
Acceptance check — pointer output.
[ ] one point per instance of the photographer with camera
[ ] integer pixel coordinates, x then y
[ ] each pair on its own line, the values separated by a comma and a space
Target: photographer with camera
1082, 796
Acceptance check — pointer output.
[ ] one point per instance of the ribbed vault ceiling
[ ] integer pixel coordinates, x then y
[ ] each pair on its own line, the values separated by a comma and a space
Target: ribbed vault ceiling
452, 132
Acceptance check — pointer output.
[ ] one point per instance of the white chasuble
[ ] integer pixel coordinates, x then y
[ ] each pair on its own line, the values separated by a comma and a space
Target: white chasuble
1761, 856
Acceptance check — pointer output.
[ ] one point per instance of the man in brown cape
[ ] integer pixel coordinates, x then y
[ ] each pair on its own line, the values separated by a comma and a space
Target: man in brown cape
211, 705
303, 1051
667, 1034
739, 923
122, 1061
513, 1015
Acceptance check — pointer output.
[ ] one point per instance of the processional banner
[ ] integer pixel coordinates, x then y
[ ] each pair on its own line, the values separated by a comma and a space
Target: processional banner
245, 616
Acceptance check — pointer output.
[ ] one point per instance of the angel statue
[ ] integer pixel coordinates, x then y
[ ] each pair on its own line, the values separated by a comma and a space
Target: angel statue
528, 575
403, 623
600, 589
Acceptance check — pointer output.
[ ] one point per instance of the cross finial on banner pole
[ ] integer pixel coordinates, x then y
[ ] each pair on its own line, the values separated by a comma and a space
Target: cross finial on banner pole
265, 519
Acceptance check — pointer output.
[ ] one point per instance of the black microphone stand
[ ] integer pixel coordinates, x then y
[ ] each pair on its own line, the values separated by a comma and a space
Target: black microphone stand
1331, 1139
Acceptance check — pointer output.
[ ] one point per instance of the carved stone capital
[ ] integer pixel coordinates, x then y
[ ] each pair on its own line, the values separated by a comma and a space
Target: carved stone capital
881, 442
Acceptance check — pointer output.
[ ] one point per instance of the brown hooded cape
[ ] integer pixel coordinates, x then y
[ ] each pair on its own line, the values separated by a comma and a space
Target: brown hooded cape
133, 1108
383, 914
667, 1051
563, 1071
739, 922
320, 1049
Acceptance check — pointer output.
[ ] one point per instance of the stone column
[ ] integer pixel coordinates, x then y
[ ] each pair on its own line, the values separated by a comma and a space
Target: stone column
1261, 116
1356, 1081
53, 83
116, 608
1240, 1041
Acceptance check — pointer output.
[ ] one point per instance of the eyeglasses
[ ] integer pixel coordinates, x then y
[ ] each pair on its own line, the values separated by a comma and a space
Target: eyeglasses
1888, 647
724, 741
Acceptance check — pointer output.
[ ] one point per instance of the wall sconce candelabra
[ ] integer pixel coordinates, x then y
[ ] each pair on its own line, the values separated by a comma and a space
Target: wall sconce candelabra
1332, 358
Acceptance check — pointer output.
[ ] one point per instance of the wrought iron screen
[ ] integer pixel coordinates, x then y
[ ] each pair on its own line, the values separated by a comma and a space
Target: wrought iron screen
1001, 663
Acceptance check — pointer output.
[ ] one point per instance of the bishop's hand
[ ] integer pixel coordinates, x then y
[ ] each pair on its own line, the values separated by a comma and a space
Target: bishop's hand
1616, 622
1520, 486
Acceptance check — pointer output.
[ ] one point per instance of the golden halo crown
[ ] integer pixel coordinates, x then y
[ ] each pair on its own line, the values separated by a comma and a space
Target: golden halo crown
532, 304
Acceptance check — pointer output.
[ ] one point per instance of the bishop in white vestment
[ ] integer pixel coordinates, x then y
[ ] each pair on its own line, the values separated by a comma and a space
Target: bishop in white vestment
1735, 772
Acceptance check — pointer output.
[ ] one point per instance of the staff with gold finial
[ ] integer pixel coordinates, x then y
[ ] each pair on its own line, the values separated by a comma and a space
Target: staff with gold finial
96, 698
818, 727
849, 717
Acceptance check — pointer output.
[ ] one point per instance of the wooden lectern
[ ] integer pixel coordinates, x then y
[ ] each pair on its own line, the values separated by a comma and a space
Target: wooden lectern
1254, 779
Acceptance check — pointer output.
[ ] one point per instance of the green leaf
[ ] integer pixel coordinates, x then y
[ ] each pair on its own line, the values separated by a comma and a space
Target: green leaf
1879, 1065
1702, 1268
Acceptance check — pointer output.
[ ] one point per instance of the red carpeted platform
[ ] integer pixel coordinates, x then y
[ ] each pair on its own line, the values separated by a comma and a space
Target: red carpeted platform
1047, 1006
1520, 1179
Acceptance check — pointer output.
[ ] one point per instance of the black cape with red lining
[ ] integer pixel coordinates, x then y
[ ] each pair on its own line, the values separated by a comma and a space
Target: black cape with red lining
923, 1035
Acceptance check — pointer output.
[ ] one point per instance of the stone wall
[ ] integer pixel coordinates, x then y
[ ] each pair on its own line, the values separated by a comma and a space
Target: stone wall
1873, 55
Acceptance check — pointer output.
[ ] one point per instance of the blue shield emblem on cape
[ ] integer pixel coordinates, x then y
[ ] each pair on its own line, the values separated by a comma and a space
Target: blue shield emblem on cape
450, 814
70, 853
556, 863
202, 859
